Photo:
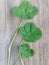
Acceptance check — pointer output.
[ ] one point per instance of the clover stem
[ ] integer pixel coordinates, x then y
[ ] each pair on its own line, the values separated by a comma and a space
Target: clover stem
21, 60
20, 57
20, 53
12, 41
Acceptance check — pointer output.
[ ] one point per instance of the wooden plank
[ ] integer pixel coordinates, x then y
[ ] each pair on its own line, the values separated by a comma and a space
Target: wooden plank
8, 25
2, 33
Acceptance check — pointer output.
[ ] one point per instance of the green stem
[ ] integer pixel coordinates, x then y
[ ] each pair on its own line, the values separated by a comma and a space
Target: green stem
20, 54
21, 60
12, 41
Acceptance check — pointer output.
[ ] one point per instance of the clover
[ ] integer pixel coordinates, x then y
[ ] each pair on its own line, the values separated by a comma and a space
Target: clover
26, 51
25, 11
30, 32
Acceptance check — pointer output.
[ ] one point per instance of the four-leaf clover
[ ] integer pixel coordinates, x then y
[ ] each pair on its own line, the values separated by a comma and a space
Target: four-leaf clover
30, 32
25, 10
26, 51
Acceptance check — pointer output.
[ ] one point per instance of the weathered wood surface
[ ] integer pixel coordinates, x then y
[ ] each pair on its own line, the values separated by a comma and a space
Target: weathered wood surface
8, 24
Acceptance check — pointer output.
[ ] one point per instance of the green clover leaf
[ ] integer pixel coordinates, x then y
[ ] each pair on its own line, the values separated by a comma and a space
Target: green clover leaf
25, 10
17, 11
30, 32
26, 51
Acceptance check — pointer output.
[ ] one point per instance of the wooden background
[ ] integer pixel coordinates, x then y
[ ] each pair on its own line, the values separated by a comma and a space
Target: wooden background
8, 24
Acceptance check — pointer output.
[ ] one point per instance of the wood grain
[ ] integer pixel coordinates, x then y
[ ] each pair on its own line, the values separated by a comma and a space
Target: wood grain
8, 25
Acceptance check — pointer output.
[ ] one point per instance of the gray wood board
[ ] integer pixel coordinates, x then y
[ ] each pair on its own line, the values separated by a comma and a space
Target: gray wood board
8, 25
